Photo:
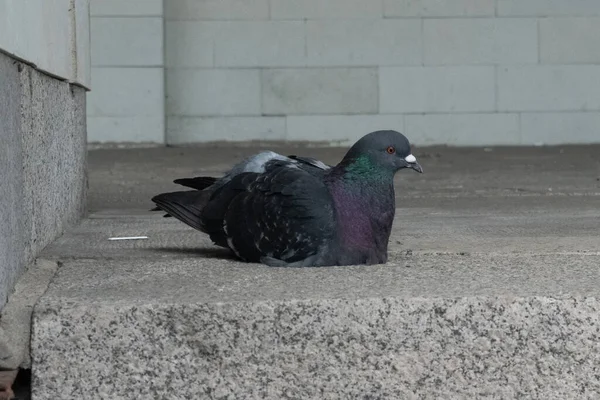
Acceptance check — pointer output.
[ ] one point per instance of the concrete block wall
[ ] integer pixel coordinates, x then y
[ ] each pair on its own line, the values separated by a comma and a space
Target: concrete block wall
127, 103
460, 72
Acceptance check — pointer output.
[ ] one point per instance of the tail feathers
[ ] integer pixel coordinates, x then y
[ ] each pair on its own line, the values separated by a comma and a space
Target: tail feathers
160, 209
186, 206
198, 183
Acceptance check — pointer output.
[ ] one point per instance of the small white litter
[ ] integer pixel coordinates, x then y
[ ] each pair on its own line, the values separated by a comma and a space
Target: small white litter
129, 238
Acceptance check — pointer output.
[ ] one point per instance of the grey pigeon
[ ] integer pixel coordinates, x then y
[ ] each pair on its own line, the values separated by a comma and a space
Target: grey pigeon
297, 211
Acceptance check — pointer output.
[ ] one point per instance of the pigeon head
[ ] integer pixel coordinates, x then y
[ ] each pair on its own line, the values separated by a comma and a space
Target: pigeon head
381, 151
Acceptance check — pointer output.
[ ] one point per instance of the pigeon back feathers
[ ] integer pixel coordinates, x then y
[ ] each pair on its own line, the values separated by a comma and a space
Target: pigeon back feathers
269, 207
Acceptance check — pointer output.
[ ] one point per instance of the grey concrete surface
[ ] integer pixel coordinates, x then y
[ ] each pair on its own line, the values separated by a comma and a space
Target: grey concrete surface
15, 324
11, 164
54, 158
457, 348
127, 178
183, 275
43, 174
491, 291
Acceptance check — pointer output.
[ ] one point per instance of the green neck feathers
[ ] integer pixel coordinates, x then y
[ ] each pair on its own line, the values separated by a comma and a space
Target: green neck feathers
364, 167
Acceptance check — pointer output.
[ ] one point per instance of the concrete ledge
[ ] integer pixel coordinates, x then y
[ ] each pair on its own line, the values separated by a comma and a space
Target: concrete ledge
491, 291
380, 347
173, 316
44, 186
15, 324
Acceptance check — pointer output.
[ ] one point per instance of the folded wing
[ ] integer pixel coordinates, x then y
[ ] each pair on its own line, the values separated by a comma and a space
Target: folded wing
284, 213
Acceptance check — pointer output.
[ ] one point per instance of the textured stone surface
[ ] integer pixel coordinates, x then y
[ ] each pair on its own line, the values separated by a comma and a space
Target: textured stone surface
43, 156
43, 170
162, 314
382, 347
15, 324
490, 290
54, 158
11, 165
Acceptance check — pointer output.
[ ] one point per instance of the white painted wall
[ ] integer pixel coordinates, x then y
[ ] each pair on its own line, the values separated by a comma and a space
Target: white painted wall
127, 103
460, 72
53, 35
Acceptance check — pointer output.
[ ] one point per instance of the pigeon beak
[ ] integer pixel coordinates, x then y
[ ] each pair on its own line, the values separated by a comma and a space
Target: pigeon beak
412, 163
417, 167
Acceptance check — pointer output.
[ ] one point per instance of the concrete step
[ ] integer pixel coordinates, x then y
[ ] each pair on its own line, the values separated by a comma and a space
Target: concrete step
476, 302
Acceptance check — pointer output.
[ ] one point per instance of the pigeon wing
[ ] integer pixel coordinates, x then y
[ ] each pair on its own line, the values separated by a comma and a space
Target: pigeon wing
309, 161
285, 213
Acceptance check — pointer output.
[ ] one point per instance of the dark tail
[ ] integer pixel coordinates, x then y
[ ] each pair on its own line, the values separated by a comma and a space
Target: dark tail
198, 183
185, 206
159, 209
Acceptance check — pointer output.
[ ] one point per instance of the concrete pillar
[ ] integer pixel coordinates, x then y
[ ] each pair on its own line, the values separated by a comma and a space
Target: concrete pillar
44, 75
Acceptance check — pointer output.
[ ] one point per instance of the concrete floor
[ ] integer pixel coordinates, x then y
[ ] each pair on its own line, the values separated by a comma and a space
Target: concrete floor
493, 200
497, 229
484, 178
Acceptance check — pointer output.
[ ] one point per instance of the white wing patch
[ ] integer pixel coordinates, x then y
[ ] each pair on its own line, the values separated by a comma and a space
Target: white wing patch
320, 164
230, 244
230, 240
257, 162
288, 254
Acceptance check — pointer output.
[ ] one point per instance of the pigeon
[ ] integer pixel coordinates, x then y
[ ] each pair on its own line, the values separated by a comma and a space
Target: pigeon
298, 211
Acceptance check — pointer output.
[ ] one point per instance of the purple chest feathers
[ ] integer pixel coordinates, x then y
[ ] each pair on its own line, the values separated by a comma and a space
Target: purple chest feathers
364, 216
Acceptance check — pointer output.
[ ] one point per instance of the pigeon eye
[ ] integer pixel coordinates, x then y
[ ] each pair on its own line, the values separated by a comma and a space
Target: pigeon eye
391, 150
